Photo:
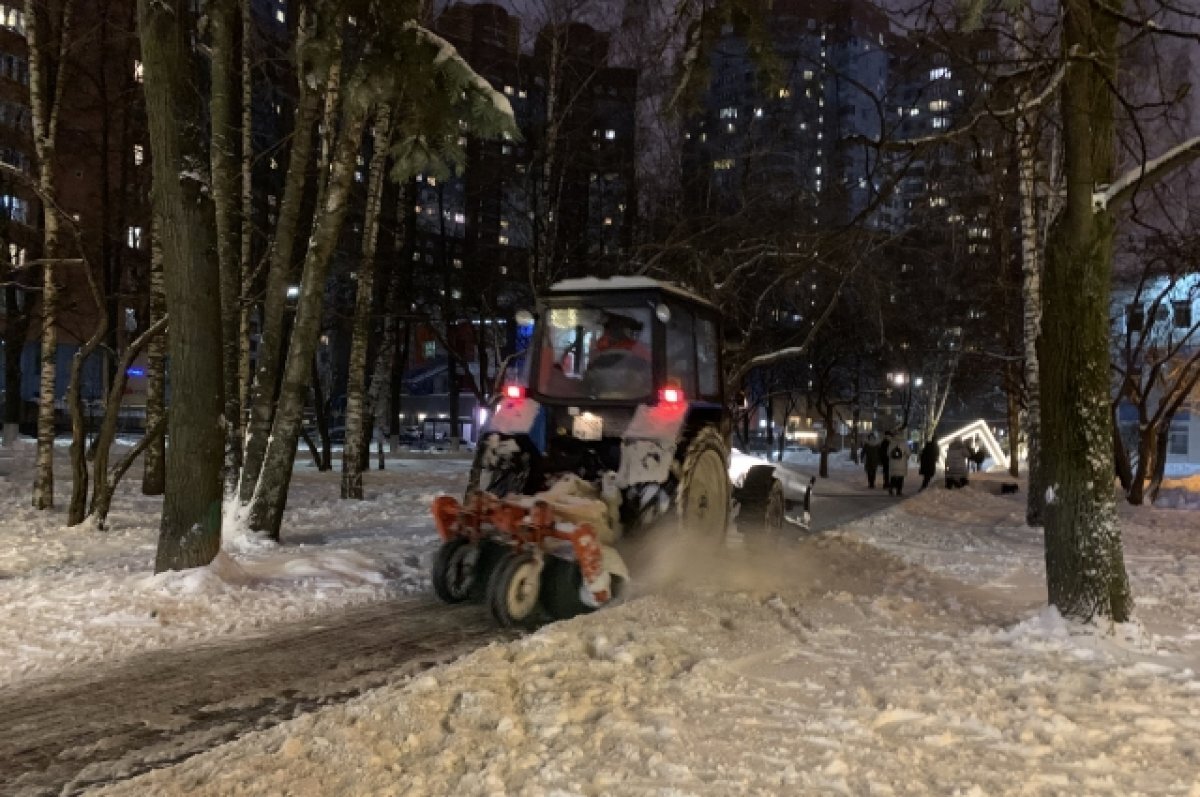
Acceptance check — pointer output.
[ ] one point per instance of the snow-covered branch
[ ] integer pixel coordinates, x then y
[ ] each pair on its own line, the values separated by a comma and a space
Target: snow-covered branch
447, 54
1129, 182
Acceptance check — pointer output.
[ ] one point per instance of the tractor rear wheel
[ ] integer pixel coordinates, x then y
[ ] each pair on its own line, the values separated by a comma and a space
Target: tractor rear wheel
761, 506
702, 500
512, 592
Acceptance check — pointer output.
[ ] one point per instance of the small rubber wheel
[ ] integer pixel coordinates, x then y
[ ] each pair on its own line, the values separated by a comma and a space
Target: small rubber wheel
762, 505
456, 570
561, 582
512, 592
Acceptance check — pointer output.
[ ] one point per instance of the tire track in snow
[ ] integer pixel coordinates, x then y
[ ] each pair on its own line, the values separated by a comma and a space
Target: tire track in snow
63, 735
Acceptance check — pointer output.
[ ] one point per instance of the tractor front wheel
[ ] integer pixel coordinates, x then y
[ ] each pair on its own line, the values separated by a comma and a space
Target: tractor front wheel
512, 592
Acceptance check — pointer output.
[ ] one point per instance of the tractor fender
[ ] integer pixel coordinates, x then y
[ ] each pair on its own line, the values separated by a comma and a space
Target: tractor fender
520, 417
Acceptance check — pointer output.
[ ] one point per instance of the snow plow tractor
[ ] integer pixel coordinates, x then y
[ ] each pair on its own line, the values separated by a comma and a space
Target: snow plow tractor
620, 427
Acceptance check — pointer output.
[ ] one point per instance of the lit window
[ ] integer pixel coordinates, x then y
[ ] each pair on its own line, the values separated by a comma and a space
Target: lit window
608, 221
758, 112
729, 128
729, 113
139, 154
723, 164
280, 16
508, 90
503, 239
610, 134
138, 72
939, 105
808, 74
429, 349
939, 73
940, 122
460, 218
784, 93
134, 237
914, 111
522, 94
432, 180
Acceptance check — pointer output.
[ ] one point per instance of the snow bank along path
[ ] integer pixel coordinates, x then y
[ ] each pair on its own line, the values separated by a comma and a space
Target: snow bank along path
907, 655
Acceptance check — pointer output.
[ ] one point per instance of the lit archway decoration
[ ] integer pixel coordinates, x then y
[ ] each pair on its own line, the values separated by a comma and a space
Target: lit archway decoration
981, 430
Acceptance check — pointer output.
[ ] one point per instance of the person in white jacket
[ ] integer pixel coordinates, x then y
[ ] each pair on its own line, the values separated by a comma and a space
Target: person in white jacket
897, 457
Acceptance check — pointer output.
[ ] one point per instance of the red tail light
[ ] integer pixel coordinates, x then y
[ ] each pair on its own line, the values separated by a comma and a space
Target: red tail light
514, 391
670, 395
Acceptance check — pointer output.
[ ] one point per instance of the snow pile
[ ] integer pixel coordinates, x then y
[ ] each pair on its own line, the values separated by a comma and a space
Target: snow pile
75, 596
911, 654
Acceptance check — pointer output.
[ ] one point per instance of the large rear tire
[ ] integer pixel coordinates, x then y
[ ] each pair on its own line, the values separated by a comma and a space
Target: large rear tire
702, 500
512, 592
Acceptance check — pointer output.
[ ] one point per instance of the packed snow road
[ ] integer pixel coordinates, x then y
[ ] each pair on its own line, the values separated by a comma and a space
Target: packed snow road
65, 734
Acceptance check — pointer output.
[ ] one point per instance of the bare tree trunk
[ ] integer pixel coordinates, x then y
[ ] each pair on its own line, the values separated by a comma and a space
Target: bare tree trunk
1014, 423
154, 474
1121, 456
352, 456
45, 101
190, 535
271, 340
1162, 440
269, 496
1085, 567
224, 21
77, 509
16, 327
104, 484
1031, 297
247, 219
321, 415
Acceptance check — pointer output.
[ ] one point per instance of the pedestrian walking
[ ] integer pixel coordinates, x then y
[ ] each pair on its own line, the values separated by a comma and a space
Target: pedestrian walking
870, 454
930, 455
897, 463
956, 465
885, 446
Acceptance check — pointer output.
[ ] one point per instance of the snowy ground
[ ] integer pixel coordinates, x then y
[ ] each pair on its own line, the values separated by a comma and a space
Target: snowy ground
908, 653
76, 596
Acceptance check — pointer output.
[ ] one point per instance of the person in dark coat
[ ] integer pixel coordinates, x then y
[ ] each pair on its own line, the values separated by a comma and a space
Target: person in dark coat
930, 455
870, 454
884, 445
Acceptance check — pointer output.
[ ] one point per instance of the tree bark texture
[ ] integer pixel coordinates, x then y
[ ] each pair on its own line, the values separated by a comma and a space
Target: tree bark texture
45, 101
77, 509
154, 473
270, 493
224, 22
1031, 296
364, 300
1085, 568
190, 534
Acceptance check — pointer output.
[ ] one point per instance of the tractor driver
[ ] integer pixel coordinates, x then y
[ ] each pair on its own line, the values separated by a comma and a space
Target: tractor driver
621, 334
619, 362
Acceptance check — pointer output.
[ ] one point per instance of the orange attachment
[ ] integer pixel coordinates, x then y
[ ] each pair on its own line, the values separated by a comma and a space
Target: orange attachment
484, 514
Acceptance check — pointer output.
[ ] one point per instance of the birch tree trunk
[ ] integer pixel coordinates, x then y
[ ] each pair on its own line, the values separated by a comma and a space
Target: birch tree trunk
154, 475
190, 533
270, 493
1031, 296
1085, 568
356, 436
223, 22
247, 218
279, 269
45, 100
